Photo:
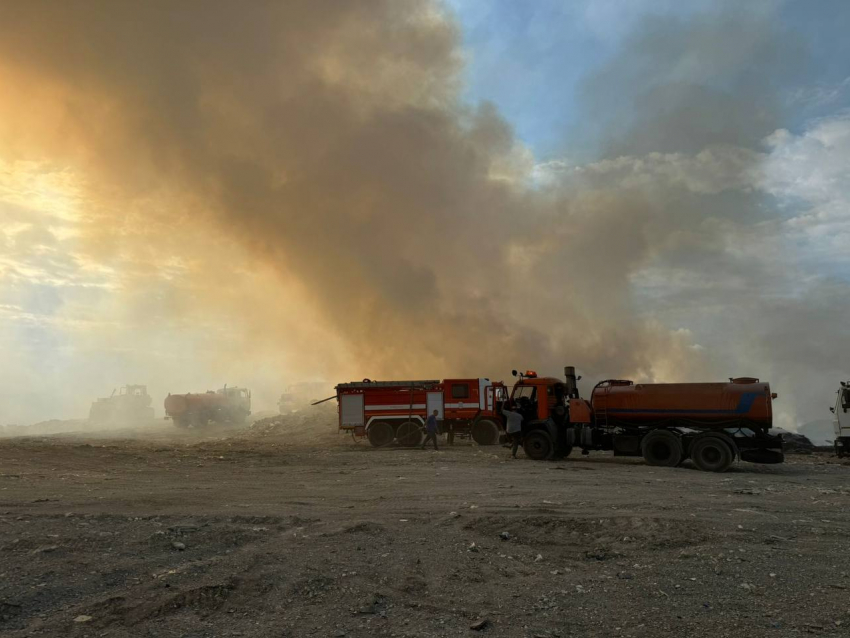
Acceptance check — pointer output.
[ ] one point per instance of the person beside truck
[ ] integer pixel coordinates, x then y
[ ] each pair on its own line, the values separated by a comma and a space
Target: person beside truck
513, 428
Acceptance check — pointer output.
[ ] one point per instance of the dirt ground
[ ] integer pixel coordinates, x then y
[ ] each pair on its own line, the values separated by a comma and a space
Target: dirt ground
296, 532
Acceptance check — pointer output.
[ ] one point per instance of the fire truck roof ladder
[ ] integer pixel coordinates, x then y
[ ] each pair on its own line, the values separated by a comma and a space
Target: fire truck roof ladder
388, 384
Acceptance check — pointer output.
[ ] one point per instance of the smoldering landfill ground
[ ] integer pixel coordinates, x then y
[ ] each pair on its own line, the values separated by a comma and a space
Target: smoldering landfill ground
288, 529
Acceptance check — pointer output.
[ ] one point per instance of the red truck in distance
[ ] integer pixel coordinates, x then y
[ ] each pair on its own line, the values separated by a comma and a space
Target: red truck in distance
227, 405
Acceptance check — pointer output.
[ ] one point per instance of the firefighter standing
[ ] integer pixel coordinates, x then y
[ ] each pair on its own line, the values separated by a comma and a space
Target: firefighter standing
431, 430
513, 428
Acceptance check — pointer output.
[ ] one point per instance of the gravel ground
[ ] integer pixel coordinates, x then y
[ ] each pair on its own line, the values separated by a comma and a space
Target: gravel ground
262, 532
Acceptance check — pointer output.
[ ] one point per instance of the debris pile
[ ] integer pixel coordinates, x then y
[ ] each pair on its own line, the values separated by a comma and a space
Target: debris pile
794, 443
315, 424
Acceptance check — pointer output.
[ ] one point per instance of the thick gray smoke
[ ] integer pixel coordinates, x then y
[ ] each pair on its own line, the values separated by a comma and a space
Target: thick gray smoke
328, 141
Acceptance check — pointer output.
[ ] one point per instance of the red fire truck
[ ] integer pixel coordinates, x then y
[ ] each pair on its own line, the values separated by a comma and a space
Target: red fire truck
387, 411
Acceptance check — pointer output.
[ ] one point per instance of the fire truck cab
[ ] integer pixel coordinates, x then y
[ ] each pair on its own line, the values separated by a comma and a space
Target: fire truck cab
841, 420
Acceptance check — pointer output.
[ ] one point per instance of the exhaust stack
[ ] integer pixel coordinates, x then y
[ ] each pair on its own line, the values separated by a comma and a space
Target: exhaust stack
572, 382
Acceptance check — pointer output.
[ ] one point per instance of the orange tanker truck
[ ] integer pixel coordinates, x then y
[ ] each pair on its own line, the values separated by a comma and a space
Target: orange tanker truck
227, 405
713, 424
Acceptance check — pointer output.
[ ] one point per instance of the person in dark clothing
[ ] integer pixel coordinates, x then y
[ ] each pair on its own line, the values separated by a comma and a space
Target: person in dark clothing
513, 428
431, 430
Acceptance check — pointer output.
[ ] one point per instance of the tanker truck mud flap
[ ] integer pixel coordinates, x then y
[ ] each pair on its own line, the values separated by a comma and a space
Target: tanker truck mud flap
761, 448
763, 456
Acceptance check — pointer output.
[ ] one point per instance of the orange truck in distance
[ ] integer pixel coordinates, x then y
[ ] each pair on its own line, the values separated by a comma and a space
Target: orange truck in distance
227, 405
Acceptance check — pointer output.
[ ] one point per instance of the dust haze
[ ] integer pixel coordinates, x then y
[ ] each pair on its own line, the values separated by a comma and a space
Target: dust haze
297, 191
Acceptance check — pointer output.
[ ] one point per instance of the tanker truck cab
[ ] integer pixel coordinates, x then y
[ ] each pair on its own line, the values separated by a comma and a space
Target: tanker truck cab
841, 420
237, 404
542, 401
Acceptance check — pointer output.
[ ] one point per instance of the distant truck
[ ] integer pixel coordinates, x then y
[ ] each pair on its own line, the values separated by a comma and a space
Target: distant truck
131, 404
387, 411
227, 405
841, 420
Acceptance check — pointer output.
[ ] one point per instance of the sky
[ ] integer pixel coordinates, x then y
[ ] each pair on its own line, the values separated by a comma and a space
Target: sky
199, 195
529, 58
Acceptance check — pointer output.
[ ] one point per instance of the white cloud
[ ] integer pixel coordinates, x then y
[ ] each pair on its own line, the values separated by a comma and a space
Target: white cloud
810, 173
711, 171
815, 165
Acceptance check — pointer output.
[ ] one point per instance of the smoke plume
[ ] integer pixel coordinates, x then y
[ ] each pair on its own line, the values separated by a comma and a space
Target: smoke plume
304, 178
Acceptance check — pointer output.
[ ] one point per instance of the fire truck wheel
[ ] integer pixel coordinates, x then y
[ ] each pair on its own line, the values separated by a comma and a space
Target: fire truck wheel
380, 434
409, 434
662, 447
712, 454
538, 445
485, 432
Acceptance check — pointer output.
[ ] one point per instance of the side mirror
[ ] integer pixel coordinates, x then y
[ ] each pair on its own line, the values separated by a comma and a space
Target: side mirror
831, 409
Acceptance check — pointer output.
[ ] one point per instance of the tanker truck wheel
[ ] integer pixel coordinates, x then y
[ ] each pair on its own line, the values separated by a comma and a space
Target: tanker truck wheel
485, 432
538, 445
408, 434
662, 448
380, 434
712, 454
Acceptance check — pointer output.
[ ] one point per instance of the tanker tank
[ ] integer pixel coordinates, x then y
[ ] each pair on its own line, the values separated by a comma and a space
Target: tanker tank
742, 402
227, 405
